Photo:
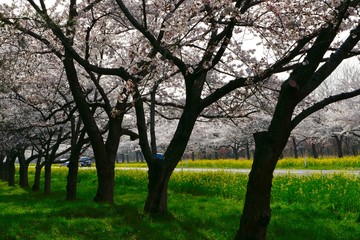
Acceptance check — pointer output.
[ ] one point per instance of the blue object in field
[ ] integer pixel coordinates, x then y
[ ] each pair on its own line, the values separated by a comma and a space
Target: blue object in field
159, 156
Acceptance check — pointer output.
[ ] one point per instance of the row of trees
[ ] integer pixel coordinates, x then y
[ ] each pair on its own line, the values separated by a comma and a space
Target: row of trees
96, 72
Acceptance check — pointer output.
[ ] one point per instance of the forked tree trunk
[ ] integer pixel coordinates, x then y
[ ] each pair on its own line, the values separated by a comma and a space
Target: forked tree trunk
105, 154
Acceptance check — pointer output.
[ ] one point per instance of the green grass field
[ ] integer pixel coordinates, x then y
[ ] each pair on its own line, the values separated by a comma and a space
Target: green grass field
204, 205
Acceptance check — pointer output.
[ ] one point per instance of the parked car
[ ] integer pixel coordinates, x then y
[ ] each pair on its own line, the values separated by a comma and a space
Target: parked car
85, 162
64, 162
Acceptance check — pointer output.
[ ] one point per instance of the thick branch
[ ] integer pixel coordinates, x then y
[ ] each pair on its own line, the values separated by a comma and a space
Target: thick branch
319, 105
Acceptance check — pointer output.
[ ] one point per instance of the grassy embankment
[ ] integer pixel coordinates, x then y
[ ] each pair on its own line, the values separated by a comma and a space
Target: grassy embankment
346, 163
203, 205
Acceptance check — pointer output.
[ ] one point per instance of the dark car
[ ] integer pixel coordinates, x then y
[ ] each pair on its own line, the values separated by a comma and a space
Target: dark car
85, 162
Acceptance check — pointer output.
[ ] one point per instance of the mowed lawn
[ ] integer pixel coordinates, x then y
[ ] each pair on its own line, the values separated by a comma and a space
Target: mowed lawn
204, 205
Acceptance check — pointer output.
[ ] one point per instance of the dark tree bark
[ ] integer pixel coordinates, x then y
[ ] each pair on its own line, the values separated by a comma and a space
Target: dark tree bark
295, 147
314, 151
156, 201
152, 118
216, 154
235, 148
2, 167
77, 141
71, 184
106, 182
248, 155
354, 151
339, 143
50, 156
6, 169
137, 156
23, 170
10, 165
47, 177
37, 175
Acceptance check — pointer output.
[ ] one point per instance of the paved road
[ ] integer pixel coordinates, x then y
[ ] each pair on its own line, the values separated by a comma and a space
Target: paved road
246, 171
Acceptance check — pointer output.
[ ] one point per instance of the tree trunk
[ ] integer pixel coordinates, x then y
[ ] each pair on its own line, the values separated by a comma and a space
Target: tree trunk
314, 151
47, 178
295, 148
71, 184
77, 142
338, 141
2, 168
152, 118
105, 153
156, 201
6, 169
216, 154
23, 170
137, 156
23, 174
269, 146
248, 155
72, 177
106, 183
36, 184
257, 212
354, 150
10, 165
235, 150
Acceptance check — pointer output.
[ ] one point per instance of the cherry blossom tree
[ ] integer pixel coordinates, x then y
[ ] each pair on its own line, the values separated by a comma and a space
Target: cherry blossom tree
340, 120
336, 122
206, 51
301, 50
43, 31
